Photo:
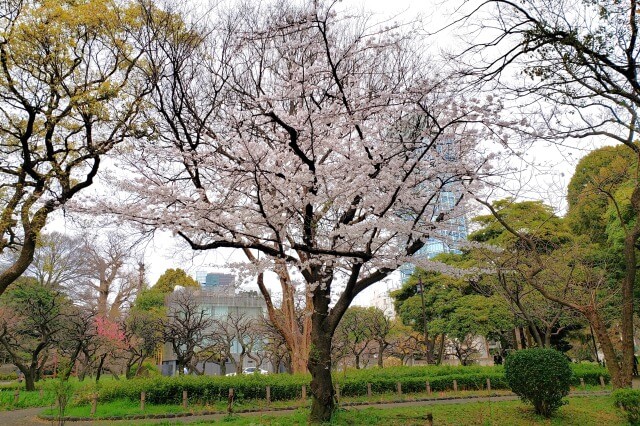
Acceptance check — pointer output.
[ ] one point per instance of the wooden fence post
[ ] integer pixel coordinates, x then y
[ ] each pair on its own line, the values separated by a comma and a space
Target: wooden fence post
268, 395
584, 386
304, 392
369, 390
143, 396
428, 388
184, 399
230, 405
399, 388
338, 392
16, 396
602, 382
488, 384
94, 404
455, 386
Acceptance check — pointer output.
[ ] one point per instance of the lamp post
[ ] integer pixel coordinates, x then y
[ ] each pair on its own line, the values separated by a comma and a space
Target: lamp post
424, 320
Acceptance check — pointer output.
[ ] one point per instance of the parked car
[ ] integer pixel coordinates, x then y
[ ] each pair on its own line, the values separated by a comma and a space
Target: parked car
252, 370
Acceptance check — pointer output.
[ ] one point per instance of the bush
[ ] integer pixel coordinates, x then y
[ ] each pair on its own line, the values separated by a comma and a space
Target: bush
8, 376
288, 387
629, 401
541, 377
148, 369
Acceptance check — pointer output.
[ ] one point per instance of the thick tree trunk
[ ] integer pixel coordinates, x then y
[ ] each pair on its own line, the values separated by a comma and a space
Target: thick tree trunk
29, 380
29, 241
628, 284
297, 334
618, 380
323, 404
518, 338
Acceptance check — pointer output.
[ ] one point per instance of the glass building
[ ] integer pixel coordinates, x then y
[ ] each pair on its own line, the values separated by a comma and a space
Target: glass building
456, 229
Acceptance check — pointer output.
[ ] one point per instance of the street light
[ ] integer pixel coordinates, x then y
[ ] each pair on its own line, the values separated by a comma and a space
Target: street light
424, 320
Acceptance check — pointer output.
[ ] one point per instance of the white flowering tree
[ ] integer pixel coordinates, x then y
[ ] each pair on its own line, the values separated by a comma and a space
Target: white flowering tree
322, 142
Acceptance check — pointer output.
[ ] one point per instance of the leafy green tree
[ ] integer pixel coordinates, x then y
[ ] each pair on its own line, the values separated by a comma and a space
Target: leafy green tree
544, 319
571, 273
32, 321
70, 91
581, 60
354, 335
471, 316
424, 298
172, 278
450, 309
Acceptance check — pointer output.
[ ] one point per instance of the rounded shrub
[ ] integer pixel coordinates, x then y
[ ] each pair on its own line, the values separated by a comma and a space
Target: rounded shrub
540, 377
629, 401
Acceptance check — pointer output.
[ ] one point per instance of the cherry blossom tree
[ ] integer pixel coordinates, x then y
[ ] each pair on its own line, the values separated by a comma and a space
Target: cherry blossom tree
322, 142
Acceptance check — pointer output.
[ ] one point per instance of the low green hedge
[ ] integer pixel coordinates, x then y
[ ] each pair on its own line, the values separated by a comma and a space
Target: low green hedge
8, 376
168, 390
590, 373
629, 401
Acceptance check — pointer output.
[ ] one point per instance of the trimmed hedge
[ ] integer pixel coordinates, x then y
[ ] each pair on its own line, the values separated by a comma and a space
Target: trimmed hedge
629, 401
168, 390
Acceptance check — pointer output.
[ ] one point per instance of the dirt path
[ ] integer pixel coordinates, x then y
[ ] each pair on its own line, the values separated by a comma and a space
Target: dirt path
22, 417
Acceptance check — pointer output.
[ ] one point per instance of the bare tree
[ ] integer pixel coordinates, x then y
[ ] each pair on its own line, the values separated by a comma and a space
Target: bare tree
57, 261
109, 281
275, 347
186, 328
142, 332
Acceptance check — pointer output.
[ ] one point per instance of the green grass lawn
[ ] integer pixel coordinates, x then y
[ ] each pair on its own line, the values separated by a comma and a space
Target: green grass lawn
581, 411
126, 407
589, 410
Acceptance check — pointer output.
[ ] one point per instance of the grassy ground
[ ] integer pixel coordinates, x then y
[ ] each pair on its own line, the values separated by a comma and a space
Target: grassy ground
596, 410
25, 399
123, 407
581, 411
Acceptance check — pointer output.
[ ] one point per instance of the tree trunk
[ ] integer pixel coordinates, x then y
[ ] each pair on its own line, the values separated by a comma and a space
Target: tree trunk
323, 404
518, 338
381, 349
285, 318
100, 365
441, 350
29, 380
618, 380
628, 284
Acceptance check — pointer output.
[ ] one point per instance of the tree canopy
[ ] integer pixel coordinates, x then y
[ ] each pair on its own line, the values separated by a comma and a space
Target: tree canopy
172, 278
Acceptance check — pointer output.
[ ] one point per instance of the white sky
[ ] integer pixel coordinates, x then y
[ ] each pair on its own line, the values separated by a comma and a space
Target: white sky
165, 251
